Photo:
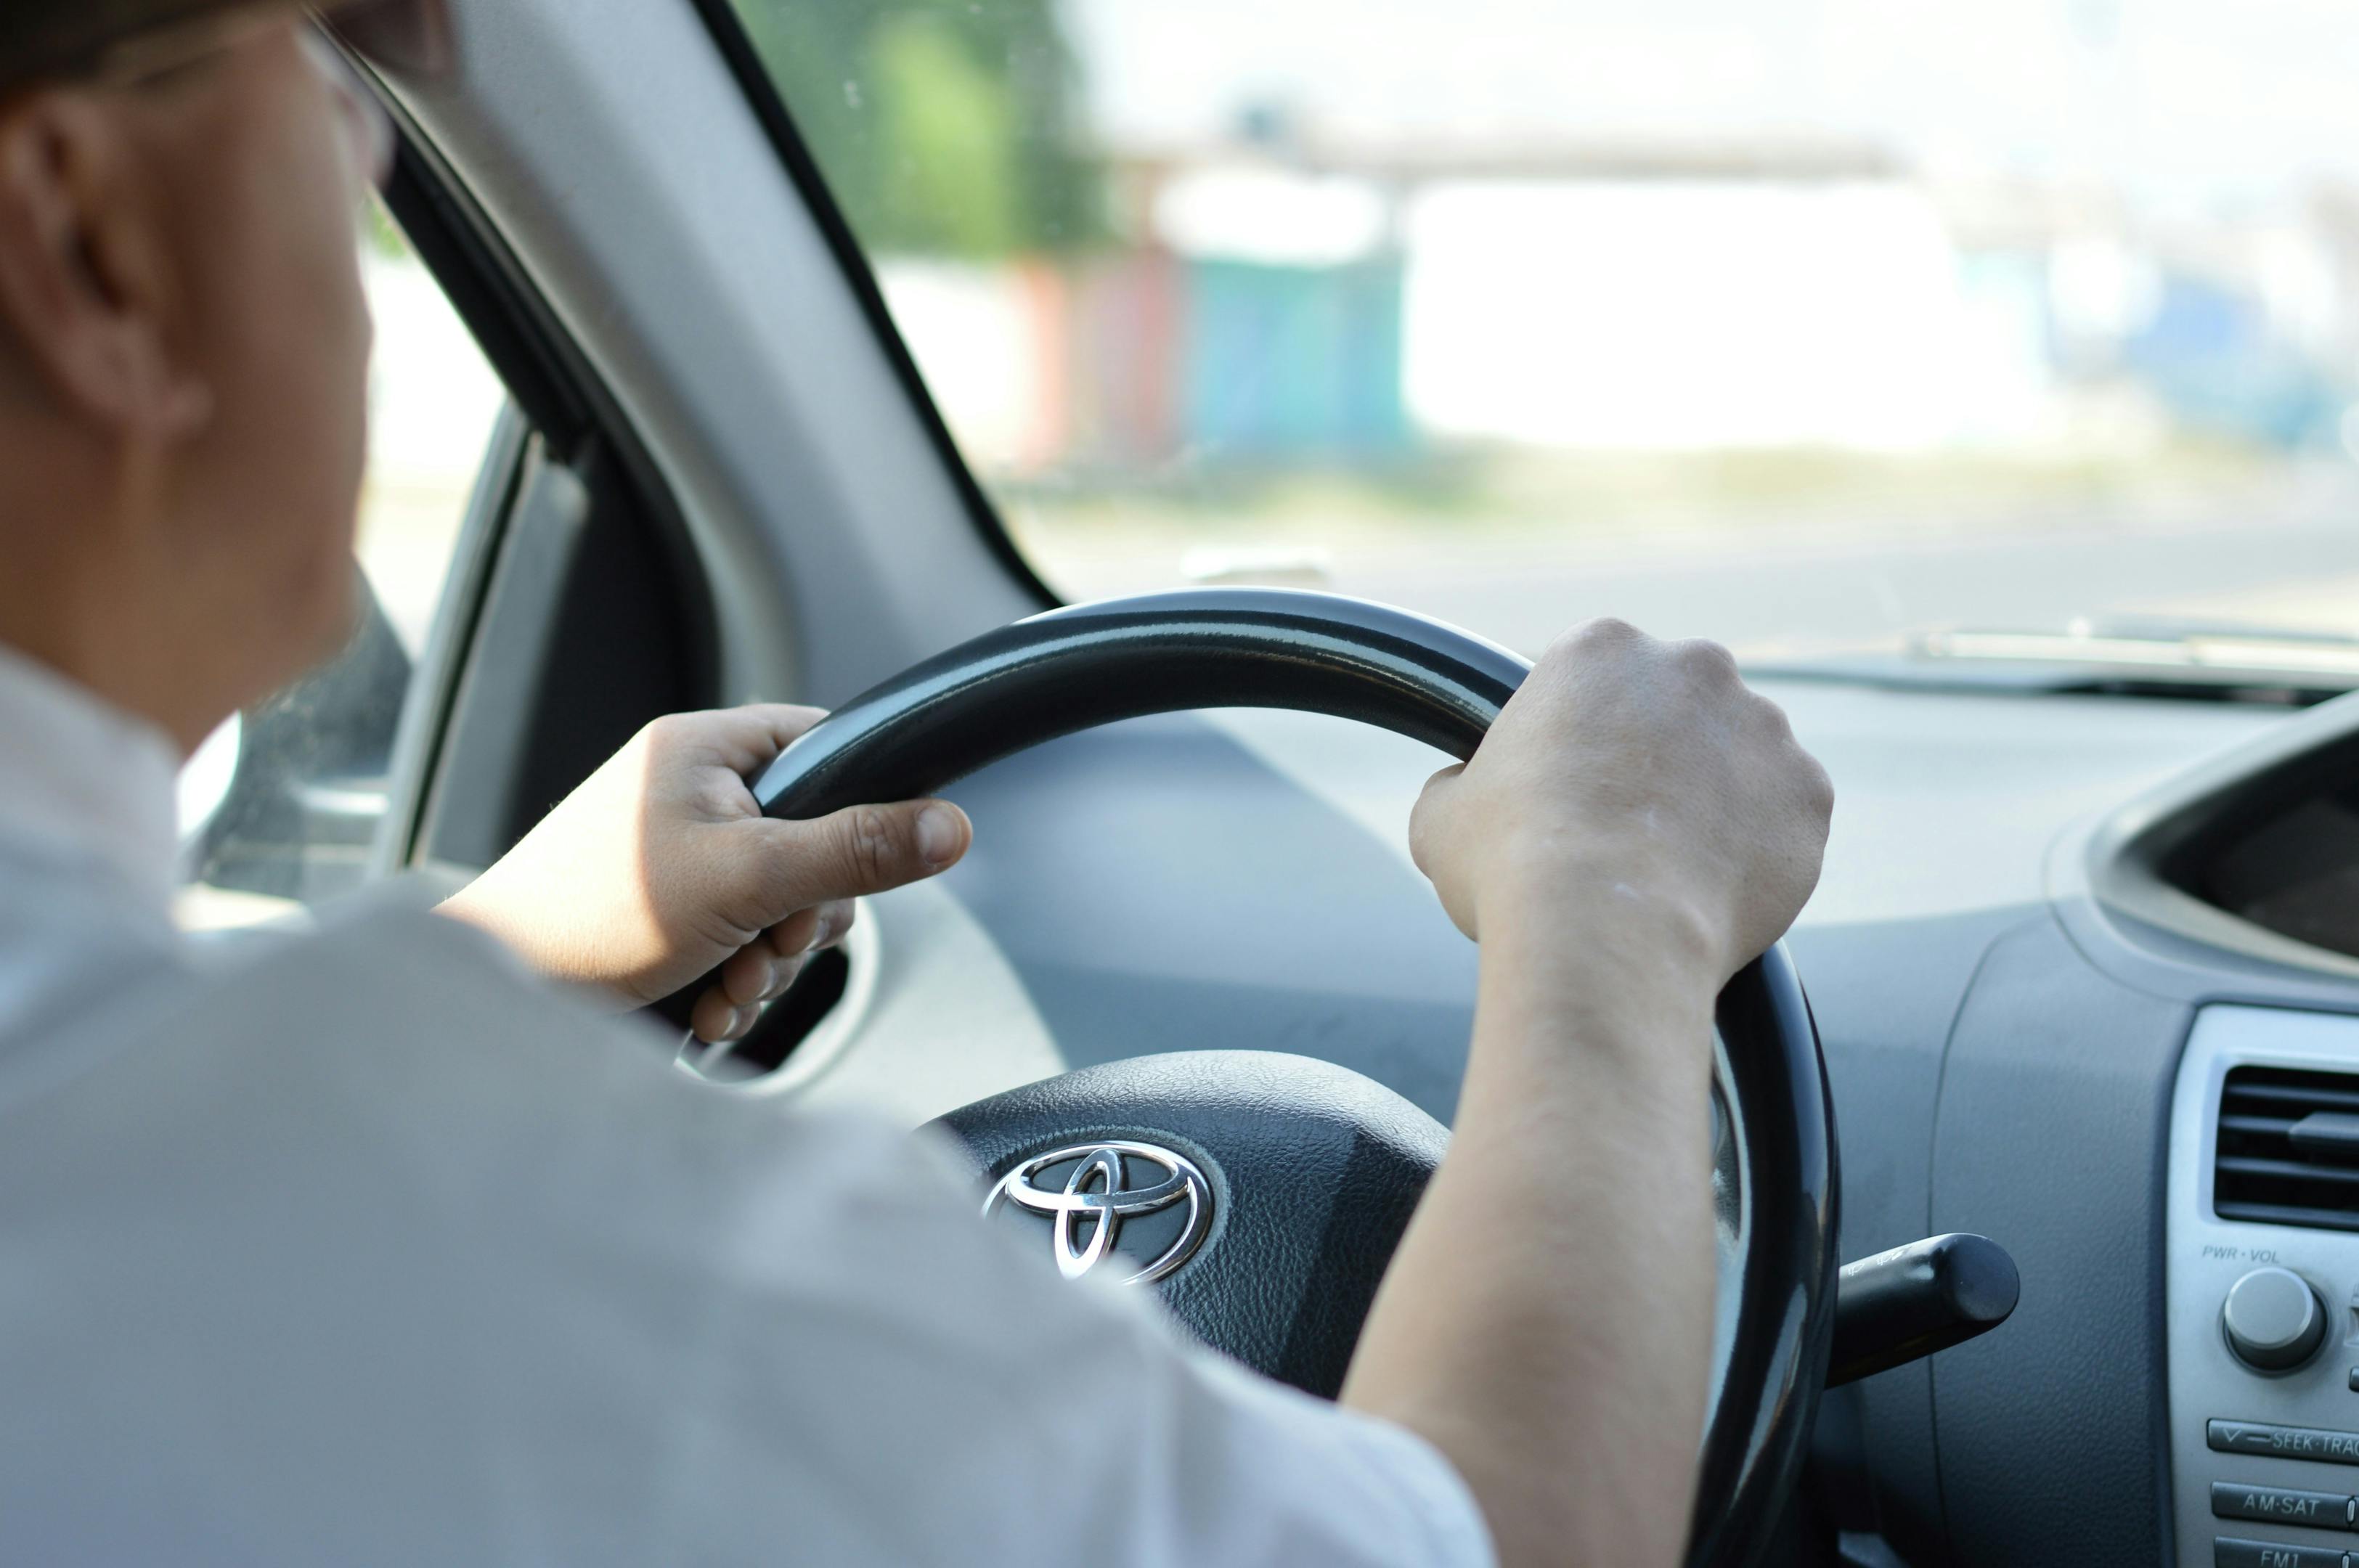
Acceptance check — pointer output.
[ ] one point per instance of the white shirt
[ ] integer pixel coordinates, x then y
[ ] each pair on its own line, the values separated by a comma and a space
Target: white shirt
365, 1248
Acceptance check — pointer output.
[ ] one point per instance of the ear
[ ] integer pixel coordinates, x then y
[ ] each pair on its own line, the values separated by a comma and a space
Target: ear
84, 277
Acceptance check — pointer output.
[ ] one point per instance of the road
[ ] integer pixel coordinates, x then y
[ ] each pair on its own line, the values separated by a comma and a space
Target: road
2287, 559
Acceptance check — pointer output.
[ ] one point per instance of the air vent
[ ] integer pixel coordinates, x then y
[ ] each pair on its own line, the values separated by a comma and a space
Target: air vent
2289, 1149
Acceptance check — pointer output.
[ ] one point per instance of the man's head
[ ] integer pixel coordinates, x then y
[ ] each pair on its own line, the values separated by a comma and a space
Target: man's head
183, 349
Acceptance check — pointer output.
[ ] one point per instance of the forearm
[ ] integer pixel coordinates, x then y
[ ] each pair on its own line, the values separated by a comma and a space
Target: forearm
1547, 1320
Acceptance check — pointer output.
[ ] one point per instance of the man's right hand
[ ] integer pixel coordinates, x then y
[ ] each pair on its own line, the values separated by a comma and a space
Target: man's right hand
1631, 779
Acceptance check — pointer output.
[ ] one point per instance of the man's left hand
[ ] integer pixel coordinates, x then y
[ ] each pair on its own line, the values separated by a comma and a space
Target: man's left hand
661, 868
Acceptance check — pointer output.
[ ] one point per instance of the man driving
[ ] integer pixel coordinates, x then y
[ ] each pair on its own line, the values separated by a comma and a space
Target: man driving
373, 1244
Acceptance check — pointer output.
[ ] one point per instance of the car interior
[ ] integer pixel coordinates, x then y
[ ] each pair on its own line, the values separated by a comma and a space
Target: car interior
2038, 1138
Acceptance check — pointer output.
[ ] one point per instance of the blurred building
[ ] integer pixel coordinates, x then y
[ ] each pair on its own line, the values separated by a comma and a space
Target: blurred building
1266, 302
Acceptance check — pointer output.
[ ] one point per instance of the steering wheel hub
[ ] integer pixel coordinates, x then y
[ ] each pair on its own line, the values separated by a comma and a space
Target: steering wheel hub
1091, 1197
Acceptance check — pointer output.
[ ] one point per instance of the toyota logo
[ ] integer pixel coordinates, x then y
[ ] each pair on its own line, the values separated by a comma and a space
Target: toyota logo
1110, 1183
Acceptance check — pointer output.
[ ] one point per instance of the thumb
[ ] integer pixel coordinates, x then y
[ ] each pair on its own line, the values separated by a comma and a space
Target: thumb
1428, 819
863, 849
1436, 833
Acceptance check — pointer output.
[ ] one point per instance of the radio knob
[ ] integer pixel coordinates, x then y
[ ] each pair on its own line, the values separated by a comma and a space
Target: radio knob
2274, 1321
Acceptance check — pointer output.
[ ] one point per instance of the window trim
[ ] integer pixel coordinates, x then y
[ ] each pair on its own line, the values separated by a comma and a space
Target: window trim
558, 405
486, 291
419, 742
776, 120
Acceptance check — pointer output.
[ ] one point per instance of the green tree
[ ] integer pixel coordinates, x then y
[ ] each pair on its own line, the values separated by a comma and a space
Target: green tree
944, 127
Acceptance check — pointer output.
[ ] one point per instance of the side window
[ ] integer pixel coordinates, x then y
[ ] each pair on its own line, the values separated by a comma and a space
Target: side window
285, 804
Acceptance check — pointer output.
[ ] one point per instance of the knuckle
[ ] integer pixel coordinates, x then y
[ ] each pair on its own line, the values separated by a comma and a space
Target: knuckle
1601, 632
1420, 837
779, 874
871, 846
712, 1016
665, 732
1705, 657
1591, 642
718, 796
791, 717
1821, 787
1429, 818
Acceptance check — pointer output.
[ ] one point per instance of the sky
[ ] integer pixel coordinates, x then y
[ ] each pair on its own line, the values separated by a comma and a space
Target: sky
2194, 108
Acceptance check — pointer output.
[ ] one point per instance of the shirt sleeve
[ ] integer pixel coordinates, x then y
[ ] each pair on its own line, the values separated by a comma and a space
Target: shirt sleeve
368, 1252
1062, 1421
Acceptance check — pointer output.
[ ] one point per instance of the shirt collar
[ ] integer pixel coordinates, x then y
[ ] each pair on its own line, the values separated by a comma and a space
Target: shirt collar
83, 781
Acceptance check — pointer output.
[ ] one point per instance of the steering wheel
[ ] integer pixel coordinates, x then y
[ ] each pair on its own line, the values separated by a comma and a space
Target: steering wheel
1263, 1193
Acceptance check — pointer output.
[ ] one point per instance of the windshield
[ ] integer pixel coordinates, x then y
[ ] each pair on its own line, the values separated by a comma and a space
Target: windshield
1802, 324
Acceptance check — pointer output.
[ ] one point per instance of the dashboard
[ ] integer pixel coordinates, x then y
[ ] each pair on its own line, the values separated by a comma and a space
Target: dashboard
2008, 967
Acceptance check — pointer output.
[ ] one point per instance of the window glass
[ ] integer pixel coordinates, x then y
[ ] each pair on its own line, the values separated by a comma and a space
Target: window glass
284, 805
1817, 325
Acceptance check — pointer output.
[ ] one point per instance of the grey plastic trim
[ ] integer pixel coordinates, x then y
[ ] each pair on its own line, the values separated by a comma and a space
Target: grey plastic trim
609, 144
472, 793
2120, 857
946, 1020
2205, 1255
836, 1032
434, 682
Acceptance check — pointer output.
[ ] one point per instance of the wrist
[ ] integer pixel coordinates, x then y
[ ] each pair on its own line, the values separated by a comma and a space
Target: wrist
1592, 956
1614, 910
554, 963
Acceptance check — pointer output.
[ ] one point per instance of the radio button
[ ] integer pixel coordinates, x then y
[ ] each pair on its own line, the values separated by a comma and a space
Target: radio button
2226, 1553
2283, 1442
2274, 1321
2318, 1510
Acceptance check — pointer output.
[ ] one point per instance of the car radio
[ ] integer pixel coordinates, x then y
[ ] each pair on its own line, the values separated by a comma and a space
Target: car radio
2261, 1291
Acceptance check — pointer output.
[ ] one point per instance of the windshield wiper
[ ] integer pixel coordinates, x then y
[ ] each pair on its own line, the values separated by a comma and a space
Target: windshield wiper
2184, 660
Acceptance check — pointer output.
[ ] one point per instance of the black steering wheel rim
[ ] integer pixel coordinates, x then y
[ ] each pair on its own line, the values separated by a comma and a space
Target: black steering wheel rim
1074, 669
